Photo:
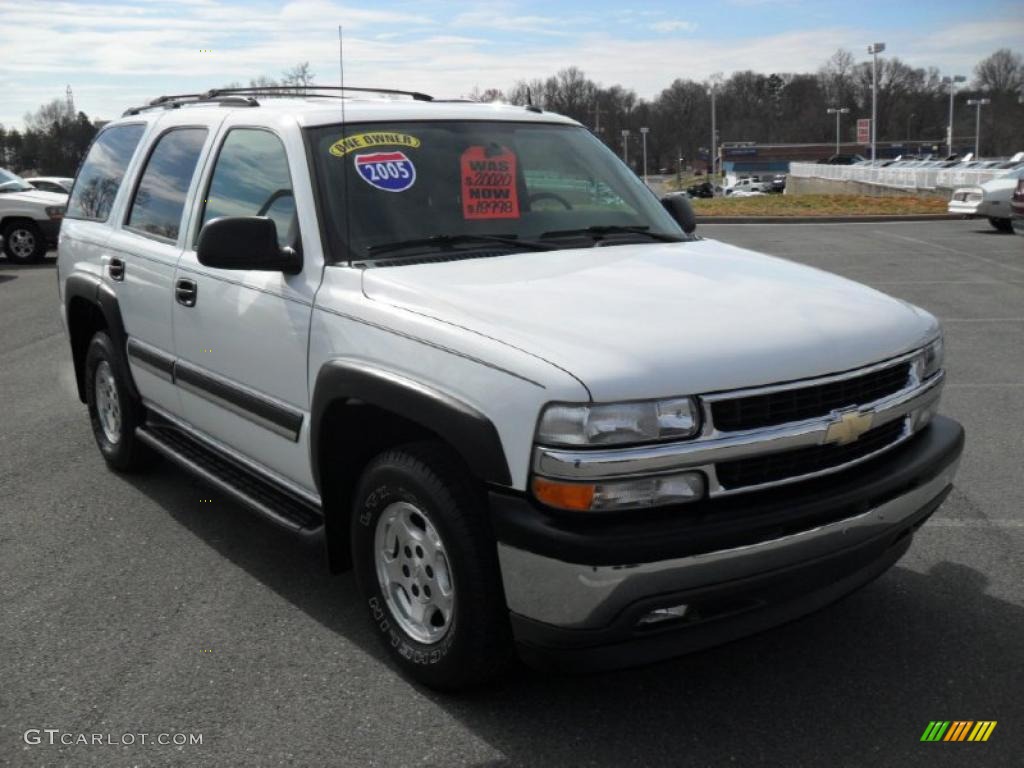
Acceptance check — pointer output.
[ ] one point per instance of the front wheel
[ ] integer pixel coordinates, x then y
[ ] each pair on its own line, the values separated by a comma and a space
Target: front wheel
1003, 225
426, 566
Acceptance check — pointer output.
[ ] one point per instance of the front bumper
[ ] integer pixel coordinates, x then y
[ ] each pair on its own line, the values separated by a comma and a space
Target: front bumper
50, 230
581, 591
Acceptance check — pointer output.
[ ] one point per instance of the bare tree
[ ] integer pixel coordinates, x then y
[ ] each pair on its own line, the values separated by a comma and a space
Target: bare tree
1002, 72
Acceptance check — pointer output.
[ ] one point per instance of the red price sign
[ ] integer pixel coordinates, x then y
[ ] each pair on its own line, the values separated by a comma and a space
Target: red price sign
864, 130
489, 184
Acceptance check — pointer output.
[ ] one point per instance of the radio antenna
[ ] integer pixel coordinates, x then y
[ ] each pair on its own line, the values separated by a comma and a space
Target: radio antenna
344, 129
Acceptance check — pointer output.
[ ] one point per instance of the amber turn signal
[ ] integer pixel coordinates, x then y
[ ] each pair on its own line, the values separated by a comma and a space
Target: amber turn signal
574, 496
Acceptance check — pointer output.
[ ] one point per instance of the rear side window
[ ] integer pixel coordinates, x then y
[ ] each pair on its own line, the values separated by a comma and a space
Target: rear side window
251, 178
160, 196
102, 172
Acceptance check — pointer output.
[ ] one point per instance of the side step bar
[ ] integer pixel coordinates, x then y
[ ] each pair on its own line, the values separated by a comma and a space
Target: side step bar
277, 504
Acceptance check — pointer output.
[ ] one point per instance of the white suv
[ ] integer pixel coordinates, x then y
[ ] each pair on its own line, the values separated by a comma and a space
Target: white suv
29, 218
510, 388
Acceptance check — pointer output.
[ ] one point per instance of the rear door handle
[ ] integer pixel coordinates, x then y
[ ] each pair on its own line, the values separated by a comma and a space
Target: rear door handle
185, 292
115, 268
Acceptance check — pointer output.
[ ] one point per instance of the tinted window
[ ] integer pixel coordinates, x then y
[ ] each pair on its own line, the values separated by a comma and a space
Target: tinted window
160, 198
251, 179
101, 173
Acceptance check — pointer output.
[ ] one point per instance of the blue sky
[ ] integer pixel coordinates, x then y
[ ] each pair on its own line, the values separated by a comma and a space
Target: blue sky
117, 53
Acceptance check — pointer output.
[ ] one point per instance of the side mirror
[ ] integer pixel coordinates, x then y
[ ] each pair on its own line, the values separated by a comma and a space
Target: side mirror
245, 242
679, 208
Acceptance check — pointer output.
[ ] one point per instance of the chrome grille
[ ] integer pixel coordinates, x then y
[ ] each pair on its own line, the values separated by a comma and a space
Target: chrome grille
775, 467
799, 403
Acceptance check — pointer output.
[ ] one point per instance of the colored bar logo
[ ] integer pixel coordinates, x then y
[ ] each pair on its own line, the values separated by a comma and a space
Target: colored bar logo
958, 730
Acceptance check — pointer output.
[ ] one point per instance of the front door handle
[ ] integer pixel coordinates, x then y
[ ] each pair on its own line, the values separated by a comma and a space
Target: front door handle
115, 268
185, 292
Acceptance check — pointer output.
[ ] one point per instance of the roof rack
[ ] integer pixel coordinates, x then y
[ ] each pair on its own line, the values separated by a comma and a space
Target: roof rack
246, 97
308, 90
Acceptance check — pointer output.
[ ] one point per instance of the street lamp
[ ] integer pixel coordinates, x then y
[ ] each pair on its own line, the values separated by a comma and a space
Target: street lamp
874, 49
714, 134
978, 103
643, 134
837, 111
952, 88
625, 145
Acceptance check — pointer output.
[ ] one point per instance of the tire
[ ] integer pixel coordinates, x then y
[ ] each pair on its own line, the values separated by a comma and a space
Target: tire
112, 410
23, 243
1003, 225
424, 489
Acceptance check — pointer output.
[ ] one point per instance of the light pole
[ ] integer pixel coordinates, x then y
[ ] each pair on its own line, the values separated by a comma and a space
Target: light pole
952, 89
874, 49
714, 133
625, 145
837, 111
978, 104
643, 135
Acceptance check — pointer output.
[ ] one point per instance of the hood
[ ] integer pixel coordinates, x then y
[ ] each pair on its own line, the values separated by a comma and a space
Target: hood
650, 320
35, 196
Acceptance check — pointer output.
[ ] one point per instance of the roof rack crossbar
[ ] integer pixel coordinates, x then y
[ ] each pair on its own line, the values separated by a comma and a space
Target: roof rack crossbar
309, 90
173, 102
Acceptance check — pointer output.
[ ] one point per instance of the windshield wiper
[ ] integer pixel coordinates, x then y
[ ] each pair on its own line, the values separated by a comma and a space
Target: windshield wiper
444, 241
614, 229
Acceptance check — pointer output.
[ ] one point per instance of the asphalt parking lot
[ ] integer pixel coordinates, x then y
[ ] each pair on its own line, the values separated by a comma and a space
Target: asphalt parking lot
130, 606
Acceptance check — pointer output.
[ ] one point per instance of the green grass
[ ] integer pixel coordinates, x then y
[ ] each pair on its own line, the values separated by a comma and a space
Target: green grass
816, 205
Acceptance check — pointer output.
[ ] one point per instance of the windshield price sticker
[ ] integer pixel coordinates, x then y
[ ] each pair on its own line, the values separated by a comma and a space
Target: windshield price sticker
389, 171
489, 183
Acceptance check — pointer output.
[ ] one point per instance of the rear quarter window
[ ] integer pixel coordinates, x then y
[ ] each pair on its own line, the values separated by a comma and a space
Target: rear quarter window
102, 172
160, 196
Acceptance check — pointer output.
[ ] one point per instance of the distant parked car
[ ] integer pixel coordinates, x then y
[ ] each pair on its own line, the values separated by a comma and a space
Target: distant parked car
778, 183
1017, 208
990, 200
59, 184
704, 189
841, 160
29, 218
746, 186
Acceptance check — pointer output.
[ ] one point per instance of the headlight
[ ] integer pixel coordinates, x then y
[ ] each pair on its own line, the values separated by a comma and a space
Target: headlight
618, 423
929, 362
55, 211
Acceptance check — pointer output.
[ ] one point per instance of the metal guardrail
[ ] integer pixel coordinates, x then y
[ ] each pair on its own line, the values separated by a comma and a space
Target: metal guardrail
900, 178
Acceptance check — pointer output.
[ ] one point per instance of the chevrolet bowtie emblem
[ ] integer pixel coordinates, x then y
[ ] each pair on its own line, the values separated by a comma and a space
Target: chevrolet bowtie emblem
848, 427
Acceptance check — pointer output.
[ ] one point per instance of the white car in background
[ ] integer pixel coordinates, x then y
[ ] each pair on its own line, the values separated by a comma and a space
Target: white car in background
990, 200
29, 219
59, 184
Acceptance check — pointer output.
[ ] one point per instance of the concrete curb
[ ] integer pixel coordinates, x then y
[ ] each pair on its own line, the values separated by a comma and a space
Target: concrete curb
827, 219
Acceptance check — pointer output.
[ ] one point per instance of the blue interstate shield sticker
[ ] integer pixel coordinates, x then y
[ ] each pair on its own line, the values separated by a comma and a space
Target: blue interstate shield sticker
390, 171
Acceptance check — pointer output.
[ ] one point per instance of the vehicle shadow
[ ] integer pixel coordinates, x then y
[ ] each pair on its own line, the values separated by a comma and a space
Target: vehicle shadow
48, 262
854, 684
5, 278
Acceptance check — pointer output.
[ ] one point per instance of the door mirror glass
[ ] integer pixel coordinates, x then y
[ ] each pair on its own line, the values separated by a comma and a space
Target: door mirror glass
245, 242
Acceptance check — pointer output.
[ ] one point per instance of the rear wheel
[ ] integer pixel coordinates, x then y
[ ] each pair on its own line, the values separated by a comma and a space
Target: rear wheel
426, 565
23, 242
1003, 225
114, 413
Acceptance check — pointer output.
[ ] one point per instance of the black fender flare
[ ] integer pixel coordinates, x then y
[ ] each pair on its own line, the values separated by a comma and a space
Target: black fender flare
93, 290
468, 431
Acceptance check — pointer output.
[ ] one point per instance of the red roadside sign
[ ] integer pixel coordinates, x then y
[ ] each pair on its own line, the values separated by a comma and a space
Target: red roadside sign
864, 130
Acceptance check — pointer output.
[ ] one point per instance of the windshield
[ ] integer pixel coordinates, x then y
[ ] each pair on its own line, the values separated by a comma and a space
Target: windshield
10, 182
417, 186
